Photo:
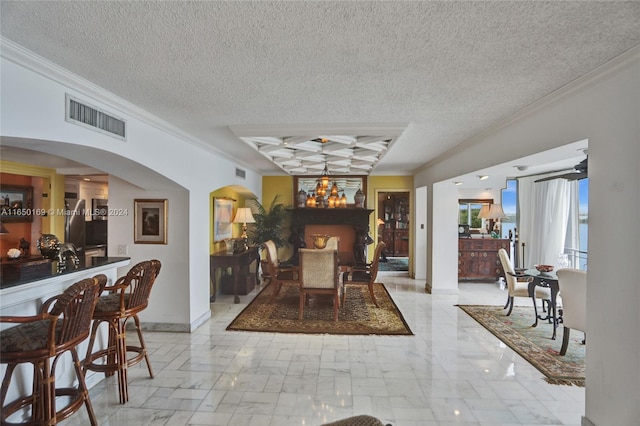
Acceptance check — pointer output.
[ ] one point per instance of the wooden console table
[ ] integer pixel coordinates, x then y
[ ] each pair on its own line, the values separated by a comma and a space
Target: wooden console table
239, 262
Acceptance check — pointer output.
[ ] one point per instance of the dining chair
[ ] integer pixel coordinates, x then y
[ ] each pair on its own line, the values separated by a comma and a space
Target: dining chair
63, 323
319, 275
128, 296
279, 273
573, 291
518, 288
367, 274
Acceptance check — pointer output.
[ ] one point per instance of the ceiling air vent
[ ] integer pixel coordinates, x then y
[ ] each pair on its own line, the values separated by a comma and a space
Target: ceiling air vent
94, 118
241, 173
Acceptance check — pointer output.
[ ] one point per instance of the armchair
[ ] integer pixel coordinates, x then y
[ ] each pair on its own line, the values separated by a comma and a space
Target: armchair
367, 274
518, 288
573, 291
278, 273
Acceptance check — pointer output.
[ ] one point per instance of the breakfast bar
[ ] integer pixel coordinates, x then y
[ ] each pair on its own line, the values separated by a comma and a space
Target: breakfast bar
24, 296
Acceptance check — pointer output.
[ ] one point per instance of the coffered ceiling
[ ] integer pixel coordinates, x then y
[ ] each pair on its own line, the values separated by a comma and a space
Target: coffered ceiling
238, 76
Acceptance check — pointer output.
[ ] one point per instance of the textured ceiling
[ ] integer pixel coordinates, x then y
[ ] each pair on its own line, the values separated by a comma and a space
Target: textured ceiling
446, 70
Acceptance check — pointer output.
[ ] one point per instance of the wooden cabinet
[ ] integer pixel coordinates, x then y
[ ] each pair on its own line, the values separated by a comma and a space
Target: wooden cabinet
478, 258
395, 233
24, 269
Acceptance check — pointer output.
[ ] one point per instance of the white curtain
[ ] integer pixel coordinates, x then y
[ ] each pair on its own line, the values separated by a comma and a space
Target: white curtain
545, 215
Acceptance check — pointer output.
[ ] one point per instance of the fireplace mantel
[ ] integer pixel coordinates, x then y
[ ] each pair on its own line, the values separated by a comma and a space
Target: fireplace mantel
357, 219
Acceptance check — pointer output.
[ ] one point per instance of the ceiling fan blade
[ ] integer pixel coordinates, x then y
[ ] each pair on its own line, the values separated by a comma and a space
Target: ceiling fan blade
569, 176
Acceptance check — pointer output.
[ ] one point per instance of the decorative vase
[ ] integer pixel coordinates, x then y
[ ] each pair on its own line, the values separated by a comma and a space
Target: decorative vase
358, 198
302, 198
320, 240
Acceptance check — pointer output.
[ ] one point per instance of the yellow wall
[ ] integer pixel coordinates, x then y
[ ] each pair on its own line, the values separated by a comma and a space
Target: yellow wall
240, 201
277, 185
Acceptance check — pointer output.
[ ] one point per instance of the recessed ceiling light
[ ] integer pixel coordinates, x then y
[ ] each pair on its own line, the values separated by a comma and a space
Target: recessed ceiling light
521, 168
457, 183
483, 177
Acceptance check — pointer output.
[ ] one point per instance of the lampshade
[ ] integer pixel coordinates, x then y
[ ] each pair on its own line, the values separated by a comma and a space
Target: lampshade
484, 211
244, 215
3, 229
496, 212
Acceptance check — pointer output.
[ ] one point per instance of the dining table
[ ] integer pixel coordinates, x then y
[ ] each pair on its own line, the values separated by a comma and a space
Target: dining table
548, 280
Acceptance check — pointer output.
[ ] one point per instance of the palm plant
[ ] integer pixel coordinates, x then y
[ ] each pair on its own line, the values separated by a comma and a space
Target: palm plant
270, 224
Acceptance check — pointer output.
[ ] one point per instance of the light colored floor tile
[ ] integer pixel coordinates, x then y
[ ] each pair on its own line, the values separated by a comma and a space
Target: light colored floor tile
451, 371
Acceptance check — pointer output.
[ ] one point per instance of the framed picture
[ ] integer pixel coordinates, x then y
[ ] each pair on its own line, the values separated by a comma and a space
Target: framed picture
150, 221
16, 203
222, 218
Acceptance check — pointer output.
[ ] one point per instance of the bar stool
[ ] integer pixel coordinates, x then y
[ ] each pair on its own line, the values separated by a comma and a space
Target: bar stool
127, 297
54, 331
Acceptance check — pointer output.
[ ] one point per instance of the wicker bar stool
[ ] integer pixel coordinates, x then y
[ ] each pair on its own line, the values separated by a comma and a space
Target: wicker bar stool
127, 297
63, 322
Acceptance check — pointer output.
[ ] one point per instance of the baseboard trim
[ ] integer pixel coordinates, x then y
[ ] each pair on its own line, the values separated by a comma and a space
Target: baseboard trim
174, 327
586, 422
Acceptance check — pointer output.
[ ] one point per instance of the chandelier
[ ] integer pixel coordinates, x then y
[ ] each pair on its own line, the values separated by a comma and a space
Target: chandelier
333, 200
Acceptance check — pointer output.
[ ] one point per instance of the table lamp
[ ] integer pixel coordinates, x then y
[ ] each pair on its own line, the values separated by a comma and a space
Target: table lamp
244, 216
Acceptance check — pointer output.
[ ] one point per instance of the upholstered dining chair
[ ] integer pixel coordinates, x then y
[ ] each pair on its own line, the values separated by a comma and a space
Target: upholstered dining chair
64, 322
279, 273
319, 275
518, 288
573, 291
128, 296
368, 274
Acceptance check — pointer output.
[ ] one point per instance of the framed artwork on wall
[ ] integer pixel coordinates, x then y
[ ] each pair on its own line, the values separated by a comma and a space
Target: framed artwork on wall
150, 221
222, 218
16, 203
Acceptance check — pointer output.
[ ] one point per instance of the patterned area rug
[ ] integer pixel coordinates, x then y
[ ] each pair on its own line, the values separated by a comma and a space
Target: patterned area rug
534, 343
358, 315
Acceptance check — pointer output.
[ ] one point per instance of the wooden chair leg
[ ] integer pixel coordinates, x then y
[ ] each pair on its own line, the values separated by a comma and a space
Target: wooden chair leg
373, 296
336, 305
143, 346
82, 385
121, 360
301, 309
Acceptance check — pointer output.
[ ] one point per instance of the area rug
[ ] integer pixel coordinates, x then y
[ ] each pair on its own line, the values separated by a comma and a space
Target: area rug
358, 315
394, 264
534, 343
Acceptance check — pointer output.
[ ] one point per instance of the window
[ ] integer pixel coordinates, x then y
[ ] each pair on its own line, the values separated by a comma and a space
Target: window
509, 206
468, 210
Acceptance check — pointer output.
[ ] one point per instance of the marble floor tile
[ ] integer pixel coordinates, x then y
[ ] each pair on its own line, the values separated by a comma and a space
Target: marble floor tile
450, 372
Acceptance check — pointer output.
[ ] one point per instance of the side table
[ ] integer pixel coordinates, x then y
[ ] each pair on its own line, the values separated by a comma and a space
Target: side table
239, 262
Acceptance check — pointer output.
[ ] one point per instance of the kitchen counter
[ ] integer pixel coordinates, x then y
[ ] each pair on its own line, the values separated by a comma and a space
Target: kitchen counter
16, 272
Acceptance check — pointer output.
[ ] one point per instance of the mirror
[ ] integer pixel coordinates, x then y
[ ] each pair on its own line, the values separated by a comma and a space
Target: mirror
348, 184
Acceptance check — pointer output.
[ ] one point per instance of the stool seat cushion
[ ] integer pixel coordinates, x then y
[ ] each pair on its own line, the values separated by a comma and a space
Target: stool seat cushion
110, 303
26, 337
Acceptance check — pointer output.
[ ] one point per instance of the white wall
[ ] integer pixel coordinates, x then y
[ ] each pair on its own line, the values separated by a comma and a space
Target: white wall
605, 109
156, 161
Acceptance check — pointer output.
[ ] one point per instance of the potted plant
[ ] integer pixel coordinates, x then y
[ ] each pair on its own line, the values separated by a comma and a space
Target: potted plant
269, 224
